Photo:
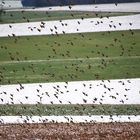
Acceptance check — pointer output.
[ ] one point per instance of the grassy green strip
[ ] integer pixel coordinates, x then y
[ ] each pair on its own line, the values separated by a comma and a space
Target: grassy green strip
29, 16
69, 110
83, 45
120, 48
64, 71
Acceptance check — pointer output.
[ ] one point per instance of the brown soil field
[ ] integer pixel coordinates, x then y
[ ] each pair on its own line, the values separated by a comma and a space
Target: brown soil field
71, 131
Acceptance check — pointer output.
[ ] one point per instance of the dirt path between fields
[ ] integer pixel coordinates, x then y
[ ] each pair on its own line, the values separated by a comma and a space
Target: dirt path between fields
61, 131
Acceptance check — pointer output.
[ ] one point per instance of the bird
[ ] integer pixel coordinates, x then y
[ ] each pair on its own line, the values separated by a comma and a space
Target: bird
70, 7
10, 26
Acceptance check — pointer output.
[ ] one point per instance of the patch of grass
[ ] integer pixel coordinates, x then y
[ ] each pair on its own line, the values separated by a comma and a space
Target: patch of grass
69, 110
73, 57
26, 16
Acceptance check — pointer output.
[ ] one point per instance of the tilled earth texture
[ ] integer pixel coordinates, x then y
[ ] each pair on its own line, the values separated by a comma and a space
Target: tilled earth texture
71, 131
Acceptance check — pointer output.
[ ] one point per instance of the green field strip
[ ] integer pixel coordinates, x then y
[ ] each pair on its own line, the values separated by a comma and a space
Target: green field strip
31, 16
49, 110
73, 46
70, 71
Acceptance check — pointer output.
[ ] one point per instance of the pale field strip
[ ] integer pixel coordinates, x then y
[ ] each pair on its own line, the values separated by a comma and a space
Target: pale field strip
120, 91
68, 119
71, 26
67, 59
121, 7
10, 4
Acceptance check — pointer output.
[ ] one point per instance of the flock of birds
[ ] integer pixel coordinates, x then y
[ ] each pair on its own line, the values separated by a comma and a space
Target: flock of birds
13, 57
61, 90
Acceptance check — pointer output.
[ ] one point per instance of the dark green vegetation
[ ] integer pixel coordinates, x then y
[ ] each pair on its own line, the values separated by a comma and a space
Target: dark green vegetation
71, 57
69, 110
29, 16
1, 13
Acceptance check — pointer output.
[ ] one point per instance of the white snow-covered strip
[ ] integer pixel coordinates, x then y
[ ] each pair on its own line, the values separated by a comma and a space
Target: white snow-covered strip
71, 26
120, 91
68, 59
68, 119
10, 4
121, 7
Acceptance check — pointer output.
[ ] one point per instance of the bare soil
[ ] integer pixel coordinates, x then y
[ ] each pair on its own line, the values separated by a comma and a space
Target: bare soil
71, 131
